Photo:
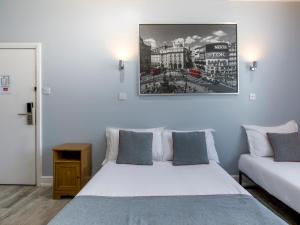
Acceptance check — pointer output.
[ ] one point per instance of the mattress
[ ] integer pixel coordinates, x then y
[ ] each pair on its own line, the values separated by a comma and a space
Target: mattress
280, 179
161, 179
164, 194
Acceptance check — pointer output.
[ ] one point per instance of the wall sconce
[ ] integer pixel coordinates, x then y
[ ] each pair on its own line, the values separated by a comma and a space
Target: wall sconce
253, 66
121, 64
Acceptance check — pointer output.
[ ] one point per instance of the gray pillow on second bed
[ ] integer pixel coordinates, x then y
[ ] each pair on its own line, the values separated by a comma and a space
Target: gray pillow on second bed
189, 148
135, 148
286, 147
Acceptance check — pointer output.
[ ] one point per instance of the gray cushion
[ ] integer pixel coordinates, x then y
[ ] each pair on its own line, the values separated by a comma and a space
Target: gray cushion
286, 147
135, 148
189, 148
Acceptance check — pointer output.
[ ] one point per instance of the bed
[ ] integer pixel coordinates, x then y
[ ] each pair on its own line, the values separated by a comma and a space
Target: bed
280, 179
164, 194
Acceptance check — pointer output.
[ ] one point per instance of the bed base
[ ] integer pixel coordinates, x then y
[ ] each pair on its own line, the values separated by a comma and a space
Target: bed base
241, 174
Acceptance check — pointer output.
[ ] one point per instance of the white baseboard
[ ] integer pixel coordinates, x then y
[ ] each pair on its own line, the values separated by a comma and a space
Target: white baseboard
46, 181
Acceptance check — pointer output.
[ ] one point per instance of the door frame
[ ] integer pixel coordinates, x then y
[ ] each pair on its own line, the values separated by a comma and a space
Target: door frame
38, 100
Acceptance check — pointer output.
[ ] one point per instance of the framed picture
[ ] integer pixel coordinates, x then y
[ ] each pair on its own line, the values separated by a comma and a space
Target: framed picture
188, 59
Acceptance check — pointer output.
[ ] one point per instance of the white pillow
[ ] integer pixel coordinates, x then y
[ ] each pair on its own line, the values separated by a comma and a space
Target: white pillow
112, 140
257, 137
168, 144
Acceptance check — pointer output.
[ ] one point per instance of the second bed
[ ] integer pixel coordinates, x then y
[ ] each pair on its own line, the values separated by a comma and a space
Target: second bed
280, 179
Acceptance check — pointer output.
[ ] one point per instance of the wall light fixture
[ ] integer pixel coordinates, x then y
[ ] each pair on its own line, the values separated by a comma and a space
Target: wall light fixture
121, 64
253, 66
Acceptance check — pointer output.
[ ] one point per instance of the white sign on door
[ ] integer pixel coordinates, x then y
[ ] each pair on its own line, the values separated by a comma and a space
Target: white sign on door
5, 84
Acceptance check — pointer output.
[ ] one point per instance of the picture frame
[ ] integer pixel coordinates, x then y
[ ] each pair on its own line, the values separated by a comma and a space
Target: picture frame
188, 59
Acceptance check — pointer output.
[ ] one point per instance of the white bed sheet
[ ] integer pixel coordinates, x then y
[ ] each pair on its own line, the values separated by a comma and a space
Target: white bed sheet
280, 179
161, 179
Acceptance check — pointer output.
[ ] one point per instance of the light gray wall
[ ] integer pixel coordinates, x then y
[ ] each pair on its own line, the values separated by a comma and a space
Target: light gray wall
81, 39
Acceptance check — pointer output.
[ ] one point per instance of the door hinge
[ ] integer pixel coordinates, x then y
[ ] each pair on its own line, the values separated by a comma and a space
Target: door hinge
35, 88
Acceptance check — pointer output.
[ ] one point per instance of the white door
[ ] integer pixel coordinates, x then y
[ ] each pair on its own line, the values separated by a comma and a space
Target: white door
17, 135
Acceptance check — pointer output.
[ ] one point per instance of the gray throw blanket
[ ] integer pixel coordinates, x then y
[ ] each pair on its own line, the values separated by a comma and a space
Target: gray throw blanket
173, 210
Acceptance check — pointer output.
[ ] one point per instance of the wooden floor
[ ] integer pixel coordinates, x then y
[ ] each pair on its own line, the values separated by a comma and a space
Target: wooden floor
27, 205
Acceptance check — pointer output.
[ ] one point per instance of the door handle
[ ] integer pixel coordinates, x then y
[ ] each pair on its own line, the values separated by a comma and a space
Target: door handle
29, 115
24, 114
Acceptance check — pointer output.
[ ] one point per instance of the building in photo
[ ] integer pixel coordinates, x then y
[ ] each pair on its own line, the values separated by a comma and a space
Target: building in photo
170, 57
145, 57
214, 57
232, 60
156, 57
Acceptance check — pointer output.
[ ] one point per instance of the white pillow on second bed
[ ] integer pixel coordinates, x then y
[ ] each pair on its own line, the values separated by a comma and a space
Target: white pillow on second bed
258, 142
168, 144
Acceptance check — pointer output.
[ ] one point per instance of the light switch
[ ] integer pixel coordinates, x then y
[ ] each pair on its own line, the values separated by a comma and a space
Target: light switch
252, 96
46, 91
123, 96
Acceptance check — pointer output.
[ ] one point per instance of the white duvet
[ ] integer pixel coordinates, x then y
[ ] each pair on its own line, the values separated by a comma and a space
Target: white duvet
161, 179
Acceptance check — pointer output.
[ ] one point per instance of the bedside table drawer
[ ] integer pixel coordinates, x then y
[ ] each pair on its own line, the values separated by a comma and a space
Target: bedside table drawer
67, 176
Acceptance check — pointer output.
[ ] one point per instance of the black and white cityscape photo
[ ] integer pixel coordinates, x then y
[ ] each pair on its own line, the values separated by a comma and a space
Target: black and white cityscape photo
188, 58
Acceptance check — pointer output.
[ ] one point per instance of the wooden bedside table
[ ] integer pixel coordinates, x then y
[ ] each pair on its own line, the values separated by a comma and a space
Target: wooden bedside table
71, 168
